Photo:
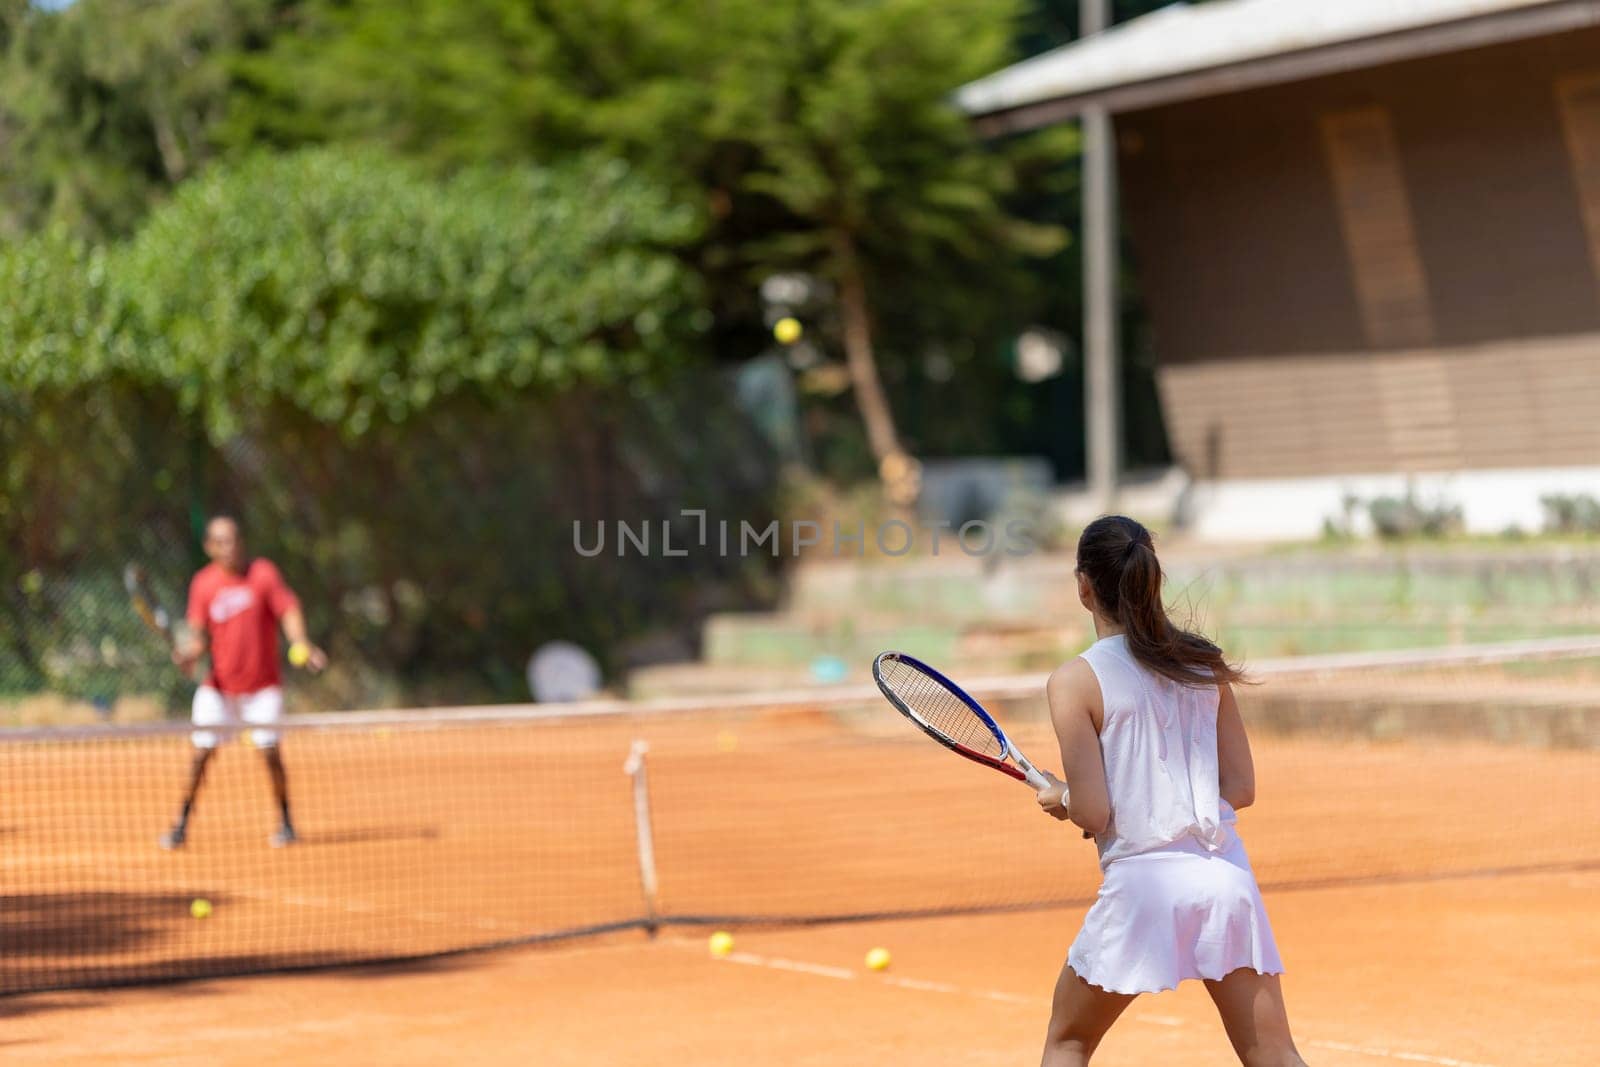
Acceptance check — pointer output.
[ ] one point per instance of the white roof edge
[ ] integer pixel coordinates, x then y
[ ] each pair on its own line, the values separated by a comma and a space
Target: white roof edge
1185, 39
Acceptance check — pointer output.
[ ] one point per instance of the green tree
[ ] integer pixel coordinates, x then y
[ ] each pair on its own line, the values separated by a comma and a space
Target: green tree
357, 288
409, 387
106, 104
817, 135
860, 145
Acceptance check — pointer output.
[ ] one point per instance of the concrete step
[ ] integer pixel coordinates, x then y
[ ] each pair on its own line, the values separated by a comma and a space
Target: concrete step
774, 652
952, 589
1519, 713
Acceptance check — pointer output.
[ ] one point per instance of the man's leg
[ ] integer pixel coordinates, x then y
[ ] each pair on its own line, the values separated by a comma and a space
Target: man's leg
265, 708
285, 834
175, 837
210, 708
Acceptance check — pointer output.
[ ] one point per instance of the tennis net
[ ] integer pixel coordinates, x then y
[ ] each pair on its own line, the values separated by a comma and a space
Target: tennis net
433, 832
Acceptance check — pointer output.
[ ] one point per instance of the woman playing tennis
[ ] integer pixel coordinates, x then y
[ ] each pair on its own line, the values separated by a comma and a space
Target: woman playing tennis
1157, 763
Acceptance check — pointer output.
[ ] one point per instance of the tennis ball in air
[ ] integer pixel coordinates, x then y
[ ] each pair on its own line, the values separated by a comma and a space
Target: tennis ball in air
200, 907
787, 330
299, 654
878, 959
721, 943
727, 741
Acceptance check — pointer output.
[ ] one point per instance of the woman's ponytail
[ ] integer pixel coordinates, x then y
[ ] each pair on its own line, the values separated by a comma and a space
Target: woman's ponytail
1118, 557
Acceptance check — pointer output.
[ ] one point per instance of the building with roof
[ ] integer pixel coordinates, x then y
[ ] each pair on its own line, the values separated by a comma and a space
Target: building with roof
1367, 235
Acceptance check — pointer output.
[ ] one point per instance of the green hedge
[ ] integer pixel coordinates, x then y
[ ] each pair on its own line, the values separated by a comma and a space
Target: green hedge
407, 387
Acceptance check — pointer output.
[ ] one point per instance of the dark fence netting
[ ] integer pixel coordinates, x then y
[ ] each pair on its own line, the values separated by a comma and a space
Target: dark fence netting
432, 556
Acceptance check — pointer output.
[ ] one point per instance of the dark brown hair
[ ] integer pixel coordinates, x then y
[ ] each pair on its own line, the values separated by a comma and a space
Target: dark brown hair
1118, 557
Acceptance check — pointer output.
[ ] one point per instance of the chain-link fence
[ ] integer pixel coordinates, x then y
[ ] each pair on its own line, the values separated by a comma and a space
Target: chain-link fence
432, 556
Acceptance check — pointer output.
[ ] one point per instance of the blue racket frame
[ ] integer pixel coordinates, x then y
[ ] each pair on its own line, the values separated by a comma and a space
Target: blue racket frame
1024, 771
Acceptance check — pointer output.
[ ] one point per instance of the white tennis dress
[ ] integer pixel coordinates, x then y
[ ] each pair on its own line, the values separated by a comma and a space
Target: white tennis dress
1178, 898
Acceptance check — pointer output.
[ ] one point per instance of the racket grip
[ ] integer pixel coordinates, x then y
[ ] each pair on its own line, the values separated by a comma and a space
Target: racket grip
1035, 779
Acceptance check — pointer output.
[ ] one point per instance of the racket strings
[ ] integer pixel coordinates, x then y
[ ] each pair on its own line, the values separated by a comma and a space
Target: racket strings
940, 709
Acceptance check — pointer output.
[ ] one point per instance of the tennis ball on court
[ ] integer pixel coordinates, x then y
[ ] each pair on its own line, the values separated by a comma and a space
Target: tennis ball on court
787, 330
878, 959
727, 741
721, 943
299, 654
200, 907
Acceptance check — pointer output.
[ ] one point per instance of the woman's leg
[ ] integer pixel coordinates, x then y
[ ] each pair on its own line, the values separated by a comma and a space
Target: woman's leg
1251, 1006
1080, 1015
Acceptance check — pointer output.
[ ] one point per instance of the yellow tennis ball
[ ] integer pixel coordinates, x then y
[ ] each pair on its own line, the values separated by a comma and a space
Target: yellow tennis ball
878, 959
787, 330
299, 654
727, 741
721, 943
200, 907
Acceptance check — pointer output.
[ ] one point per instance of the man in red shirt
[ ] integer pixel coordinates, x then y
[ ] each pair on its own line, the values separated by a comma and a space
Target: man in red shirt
235, 607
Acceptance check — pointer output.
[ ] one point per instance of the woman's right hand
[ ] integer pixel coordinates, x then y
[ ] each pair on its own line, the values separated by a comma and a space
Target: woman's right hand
1053, 797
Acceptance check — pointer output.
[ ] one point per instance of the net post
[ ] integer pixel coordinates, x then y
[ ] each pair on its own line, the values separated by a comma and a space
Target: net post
644, 837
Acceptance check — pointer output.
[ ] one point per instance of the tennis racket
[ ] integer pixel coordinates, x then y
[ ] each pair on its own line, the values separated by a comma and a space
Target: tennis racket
947, 713
152, 614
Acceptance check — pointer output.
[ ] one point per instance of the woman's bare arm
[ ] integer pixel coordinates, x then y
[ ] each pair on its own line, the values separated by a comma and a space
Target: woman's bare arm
1236, 772
1073, 692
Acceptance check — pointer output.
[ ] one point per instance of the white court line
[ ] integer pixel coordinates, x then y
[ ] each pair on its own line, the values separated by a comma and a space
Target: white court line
778, 963
923, 986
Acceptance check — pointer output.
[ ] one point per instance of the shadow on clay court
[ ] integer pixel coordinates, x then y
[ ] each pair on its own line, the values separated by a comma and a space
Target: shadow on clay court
87, 940
84, 923
362, 835
445, 964
12, 1008
15, 1008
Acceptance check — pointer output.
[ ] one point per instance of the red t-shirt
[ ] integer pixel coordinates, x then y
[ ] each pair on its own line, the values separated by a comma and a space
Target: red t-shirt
240, 613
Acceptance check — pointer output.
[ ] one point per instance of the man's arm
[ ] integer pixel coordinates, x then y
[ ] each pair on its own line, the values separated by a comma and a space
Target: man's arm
294, 628
189, 647
286, 606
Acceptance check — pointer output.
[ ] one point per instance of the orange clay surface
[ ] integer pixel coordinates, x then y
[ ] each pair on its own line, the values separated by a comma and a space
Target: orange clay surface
1475, 971
429, 839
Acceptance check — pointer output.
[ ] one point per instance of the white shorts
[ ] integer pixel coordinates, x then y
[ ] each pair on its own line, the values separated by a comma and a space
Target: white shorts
215, 708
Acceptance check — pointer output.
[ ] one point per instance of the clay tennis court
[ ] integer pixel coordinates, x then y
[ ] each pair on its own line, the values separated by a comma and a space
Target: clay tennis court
1440, 910
1492, 971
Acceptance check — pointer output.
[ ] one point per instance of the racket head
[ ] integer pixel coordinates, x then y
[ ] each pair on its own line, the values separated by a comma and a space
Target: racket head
137, 584
133, 579
944, 711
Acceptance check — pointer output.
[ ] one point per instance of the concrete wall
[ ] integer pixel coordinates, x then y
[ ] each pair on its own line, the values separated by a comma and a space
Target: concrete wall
1285, 509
